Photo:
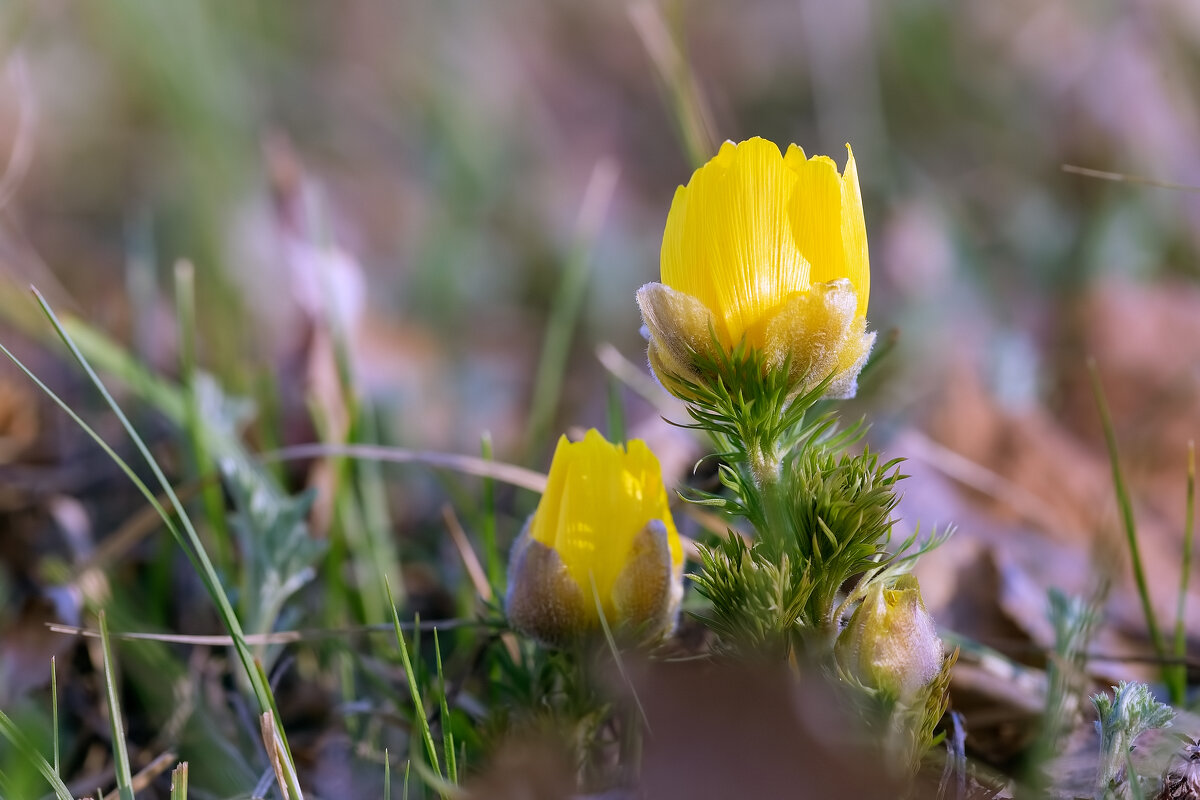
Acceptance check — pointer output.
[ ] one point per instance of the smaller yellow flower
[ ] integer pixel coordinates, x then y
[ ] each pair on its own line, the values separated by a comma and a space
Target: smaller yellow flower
891, 642
768, 250
600, 541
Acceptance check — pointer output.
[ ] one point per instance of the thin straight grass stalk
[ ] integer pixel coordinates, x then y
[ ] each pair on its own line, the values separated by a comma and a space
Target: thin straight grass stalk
616, 411
120, 751
267, 422
351, 520
213, 499
1189, 533
141, 280
410, 677
12, 732
179, 782
361, 513
184, 532
264, 783
568, 302
318, 229
447, 733
387, 775
1130, 526
491, 551
350, 524
372, 490
54, 710
407, 767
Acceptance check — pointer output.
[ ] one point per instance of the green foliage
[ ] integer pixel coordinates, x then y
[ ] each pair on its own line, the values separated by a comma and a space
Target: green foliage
840, 509
177, 522
1130, 712
115, 719
1074, 620
1176, 681
906, 727
273, 533
22, 752
758, 604
822, 515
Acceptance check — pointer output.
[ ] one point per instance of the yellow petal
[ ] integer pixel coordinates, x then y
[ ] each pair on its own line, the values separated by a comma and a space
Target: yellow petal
854, 234
544, 525
814, 214
598, 498
727, 241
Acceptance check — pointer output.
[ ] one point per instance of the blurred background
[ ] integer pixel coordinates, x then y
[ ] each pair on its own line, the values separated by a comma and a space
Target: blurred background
460, 188
449, 149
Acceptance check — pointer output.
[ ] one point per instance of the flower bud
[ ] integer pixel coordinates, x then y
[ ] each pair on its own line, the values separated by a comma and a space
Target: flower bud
891, 642
601, 541
768, 251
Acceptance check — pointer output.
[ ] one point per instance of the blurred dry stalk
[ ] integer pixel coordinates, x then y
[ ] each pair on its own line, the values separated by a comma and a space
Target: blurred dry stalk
677, 79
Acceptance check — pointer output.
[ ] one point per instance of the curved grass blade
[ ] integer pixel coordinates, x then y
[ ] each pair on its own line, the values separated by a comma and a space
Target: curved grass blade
12, 732
188, 537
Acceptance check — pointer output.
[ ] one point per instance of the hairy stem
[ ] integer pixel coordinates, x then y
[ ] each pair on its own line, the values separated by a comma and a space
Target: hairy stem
766, 468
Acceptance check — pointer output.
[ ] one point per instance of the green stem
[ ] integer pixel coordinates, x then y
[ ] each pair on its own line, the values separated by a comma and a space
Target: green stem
765, 467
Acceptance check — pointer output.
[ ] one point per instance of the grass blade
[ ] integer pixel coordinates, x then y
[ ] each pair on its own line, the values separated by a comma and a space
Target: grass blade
120, 751
616, 411
12, 732
1189, 533
185, 312
188, 538
179, 782
447, 734
410, 676
1130, 527
54, 710
491, 551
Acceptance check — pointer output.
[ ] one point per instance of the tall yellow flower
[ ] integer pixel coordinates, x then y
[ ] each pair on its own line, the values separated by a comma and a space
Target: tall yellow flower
769, 250
602, 522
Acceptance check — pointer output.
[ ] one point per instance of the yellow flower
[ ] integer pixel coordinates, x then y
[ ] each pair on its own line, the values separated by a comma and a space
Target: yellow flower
891, 641
602, 522
771, 251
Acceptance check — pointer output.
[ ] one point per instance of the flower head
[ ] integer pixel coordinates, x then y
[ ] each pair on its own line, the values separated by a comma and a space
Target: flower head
891, 642
769, 251
600, 541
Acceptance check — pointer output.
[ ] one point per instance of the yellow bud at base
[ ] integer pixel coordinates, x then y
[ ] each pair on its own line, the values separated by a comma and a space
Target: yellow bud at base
601, 544
891, 642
